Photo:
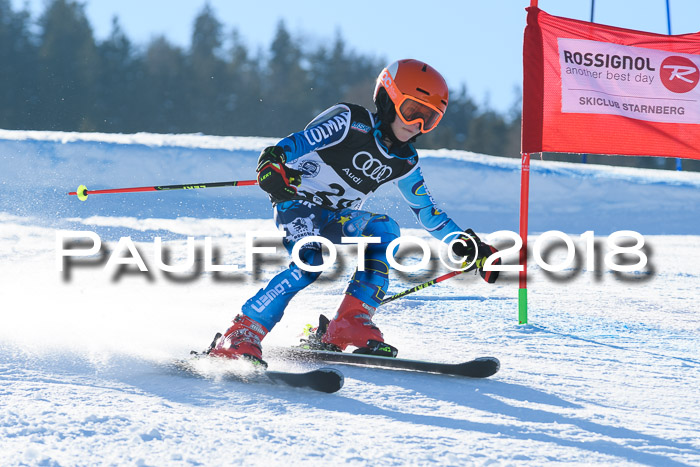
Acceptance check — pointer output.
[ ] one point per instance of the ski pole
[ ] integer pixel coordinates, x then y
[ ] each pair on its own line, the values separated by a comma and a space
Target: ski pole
82, 192
423, 286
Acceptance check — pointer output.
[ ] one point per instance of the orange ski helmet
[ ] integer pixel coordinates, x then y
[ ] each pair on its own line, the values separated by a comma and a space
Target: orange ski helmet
418, 92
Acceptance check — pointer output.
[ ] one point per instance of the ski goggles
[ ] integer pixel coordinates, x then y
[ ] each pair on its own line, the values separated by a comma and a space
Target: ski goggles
409, 109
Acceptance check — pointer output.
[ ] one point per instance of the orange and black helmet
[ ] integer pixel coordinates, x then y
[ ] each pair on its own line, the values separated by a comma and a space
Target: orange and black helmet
418, 92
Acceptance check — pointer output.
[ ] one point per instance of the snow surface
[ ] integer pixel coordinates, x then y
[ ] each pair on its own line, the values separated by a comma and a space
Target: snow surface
606, 372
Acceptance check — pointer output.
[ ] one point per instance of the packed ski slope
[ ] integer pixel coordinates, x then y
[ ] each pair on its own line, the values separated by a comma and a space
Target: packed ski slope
607, 371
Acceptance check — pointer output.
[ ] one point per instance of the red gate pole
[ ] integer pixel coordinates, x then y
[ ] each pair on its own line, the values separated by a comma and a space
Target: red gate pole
524, 201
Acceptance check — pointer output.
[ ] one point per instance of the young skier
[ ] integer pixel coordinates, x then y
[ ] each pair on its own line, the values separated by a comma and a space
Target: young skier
319, 178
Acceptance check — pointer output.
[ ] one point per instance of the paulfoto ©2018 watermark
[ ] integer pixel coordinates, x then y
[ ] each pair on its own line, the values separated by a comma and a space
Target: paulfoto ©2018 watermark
87, 244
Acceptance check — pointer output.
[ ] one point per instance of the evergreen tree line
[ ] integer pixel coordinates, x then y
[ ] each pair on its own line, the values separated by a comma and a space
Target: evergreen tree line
56, 76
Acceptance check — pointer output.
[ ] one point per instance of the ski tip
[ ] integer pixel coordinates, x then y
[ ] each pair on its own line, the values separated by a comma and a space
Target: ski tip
82, 193
493, 364
487, 359
333, 381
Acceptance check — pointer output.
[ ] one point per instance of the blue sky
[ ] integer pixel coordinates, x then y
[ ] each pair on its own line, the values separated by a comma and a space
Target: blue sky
477, 43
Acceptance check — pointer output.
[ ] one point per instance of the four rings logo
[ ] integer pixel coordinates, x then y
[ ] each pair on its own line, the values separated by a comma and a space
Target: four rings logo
679, 74
371, 167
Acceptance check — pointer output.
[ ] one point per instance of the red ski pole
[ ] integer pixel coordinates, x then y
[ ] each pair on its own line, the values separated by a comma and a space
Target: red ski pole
82, 192
423, 285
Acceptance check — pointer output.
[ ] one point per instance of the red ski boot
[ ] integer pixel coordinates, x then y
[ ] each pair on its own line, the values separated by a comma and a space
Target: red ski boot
242, 340
353, 325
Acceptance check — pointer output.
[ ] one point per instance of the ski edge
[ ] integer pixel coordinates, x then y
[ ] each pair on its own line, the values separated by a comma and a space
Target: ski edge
481, 367
325, 379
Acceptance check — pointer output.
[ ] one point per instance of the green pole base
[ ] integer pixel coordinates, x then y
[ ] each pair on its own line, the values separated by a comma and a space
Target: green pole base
522, 306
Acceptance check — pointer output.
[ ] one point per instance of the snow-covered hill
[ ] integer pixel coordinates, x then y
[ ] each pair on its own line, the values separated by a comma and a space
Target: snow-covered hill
38, 168
607, 371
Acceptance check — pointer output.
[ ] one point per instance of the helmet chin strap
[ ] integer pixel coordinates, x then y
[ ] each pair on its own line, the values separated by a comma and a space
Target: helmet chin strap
382, 131
385, 130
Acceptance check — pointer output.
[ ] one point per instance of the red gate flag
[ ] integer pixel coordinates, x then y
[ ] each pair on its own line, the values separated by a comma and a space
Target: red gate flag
591, 88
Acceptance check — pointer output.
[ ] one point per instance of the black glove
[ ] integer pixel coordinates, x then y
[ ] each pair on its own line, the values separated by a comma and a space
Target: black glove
276, 178
468, 250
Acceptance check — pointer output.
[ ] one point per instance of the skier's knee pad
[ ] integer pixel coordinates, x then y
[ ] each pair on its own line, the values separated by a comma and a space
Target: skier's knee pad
382, 226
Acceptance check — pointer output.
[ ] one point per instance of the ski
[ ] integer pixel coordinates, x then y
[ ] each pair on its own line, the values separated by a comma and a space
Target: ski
328, 380
482, 367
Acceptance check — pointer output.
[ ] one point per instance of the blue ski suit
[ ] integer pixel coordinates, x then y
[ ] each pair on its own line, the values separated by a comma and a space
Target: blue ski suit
343, 161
